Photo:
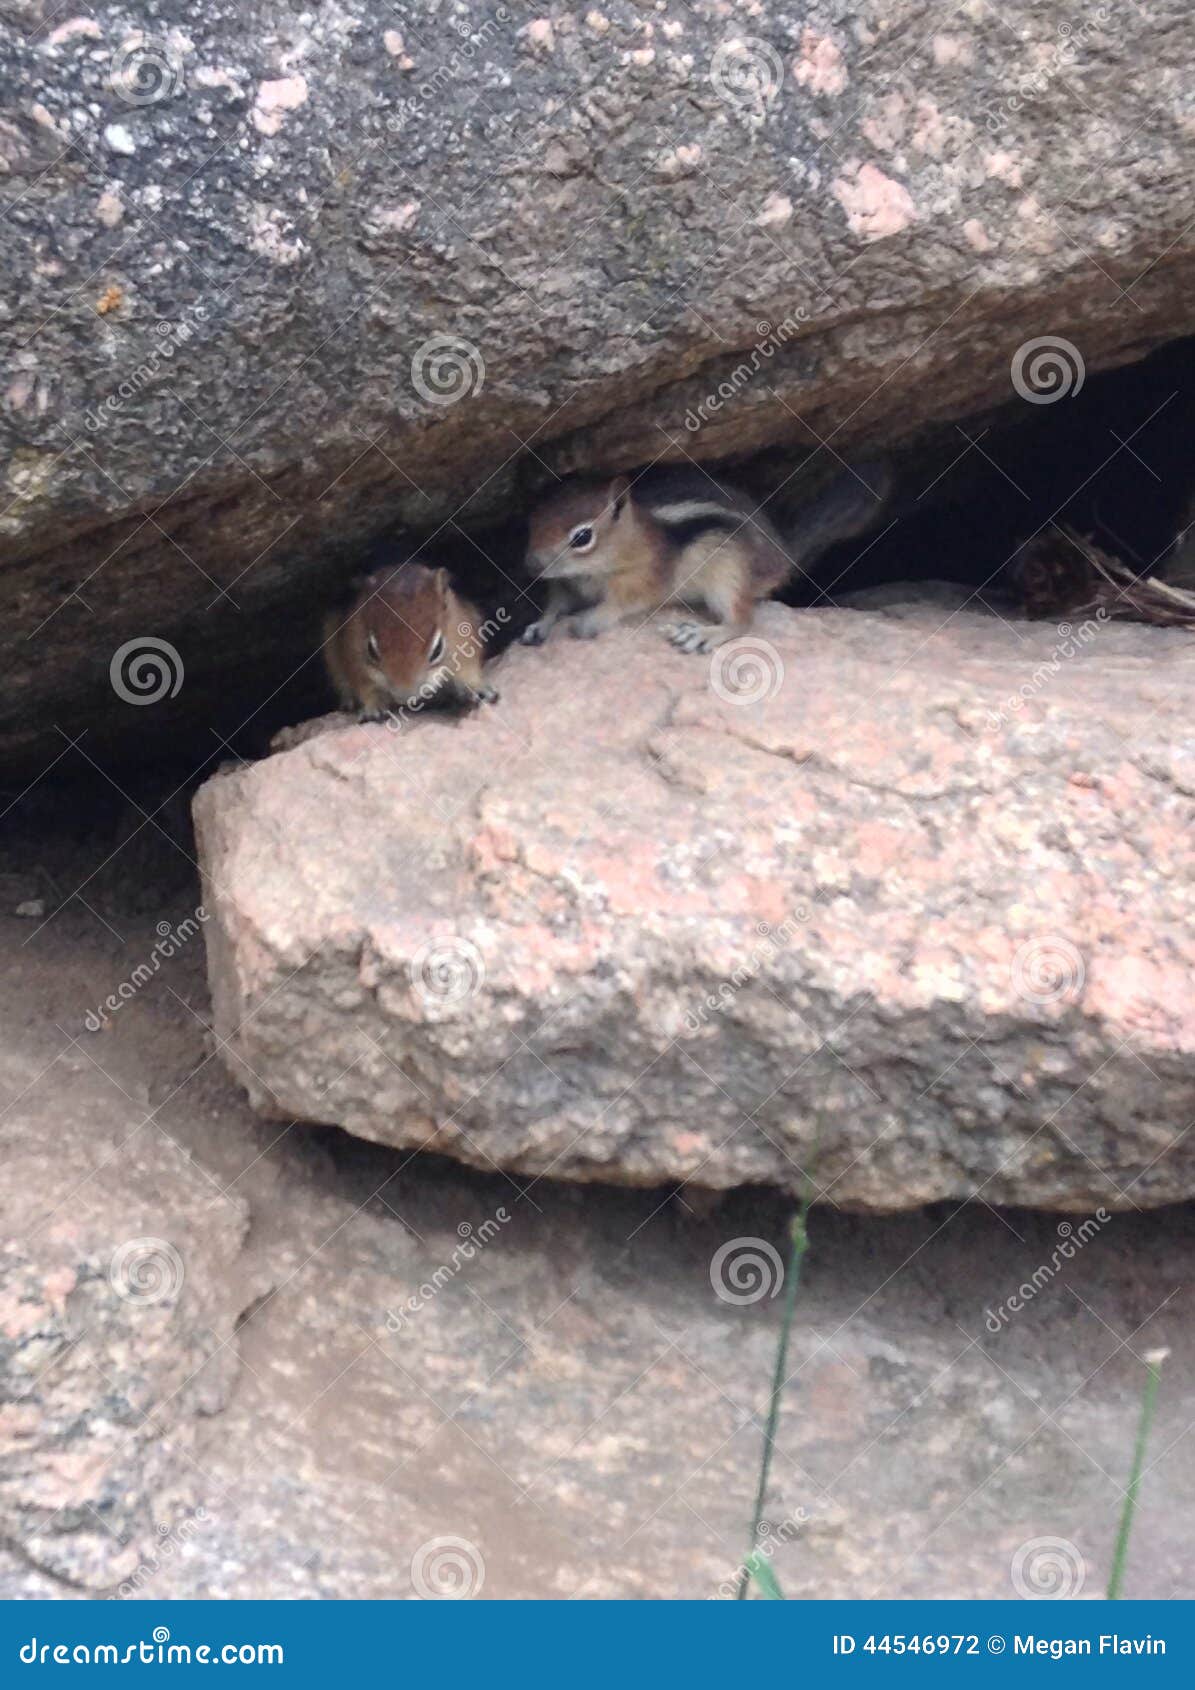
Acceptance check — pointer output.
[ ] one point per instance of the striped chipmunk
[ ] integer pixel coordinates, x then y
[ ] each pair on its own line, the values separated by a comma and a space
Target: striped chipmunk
613, 549
406, 640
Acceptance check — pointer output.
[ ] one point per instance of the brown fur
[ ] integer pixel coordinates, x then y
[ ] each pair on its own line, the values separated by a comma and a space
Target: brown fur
636, 563
379, 652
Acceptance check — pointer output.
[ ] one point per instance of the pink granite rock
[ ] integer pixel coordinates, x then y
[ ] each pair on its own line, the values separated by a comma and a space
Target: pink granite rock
898, 899
120, 1284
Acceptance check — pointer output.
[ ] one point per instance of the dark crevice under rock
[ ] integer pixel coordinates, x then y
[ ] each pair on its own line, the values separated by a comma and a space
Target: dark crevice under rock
1113, 460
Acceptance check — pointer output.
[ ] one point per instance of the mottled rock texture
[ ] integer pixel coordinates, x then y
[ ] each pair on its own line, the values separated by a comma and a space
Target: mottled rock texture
119, 1288
273, 280
568, 1382
901, 899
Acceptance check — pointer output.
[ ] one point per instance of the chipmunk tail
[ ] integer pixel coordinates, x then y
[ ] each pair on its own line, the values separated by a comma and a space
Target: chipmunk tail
852, 503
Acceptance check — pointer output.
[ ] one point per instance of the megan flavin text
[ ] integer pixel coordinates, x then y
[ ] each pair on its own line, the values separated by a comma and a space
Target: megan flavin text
1108, 1644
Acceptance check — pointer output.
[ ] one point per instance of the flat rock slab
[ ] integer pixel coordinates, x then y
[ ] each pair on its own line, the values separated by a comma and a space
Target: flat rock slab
901, 901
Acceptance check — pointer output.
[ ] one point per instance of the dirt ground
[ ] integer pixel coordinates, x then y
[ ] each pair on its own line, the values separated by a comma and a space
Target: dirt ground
572, 1410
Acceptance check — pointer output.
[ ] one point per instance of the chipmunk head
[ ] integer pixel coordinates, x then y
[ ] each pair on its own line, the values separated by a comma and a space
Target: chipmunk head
400, 629
577, 530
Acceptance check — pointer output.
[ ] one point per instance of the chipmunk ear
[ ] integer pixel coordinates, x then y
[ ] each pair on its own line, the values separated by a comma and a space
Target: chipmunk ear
443, 585
620, 492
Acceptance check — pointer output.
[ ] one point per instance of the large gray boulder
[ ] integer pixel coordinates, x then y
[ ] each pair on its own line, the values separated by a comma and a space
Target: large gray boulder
899, 901
273, 280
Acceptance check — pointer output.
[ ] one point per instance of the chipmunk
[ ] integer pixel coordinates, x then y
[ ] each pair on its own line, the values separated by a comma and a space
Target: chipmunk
406, 639
627, 547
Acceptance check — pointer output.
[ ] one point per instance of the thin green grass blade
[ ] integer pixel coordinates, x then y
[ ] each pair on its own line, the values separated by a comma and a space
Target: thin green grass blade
1153, 1371
799, 1243
761, 1571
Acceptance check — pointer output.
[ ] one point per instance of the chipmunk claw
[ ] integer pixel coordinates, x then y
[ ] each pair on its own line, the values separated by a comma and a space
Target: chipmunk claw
537, 633
687, 636
488, 695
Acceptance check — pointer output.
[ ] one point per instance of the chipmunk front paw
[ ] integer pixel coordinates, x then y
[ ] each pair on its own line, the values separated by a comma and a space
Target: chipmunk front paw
488, 695
537, 633
688, 636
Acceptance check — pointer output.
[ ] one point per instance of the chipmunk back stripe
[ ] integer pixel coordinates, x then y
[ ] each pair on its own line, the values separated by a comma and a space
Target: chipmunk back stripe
686, 511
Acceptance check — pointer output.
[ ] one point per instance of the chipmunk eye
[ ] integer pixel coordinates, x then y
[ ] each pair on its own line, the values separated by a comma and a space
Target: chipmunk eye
437, 649
581, 539
373, 648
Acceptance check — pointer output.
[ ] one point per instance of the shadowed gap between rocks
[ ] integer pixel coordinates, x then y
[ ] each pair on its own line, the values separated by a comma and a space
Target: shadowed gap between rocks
1110, 457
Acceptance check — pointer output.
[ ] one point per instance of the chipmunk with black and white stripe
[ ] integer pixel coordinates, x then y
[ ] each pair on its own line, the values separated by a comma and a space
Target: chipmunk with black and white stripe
614, 549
